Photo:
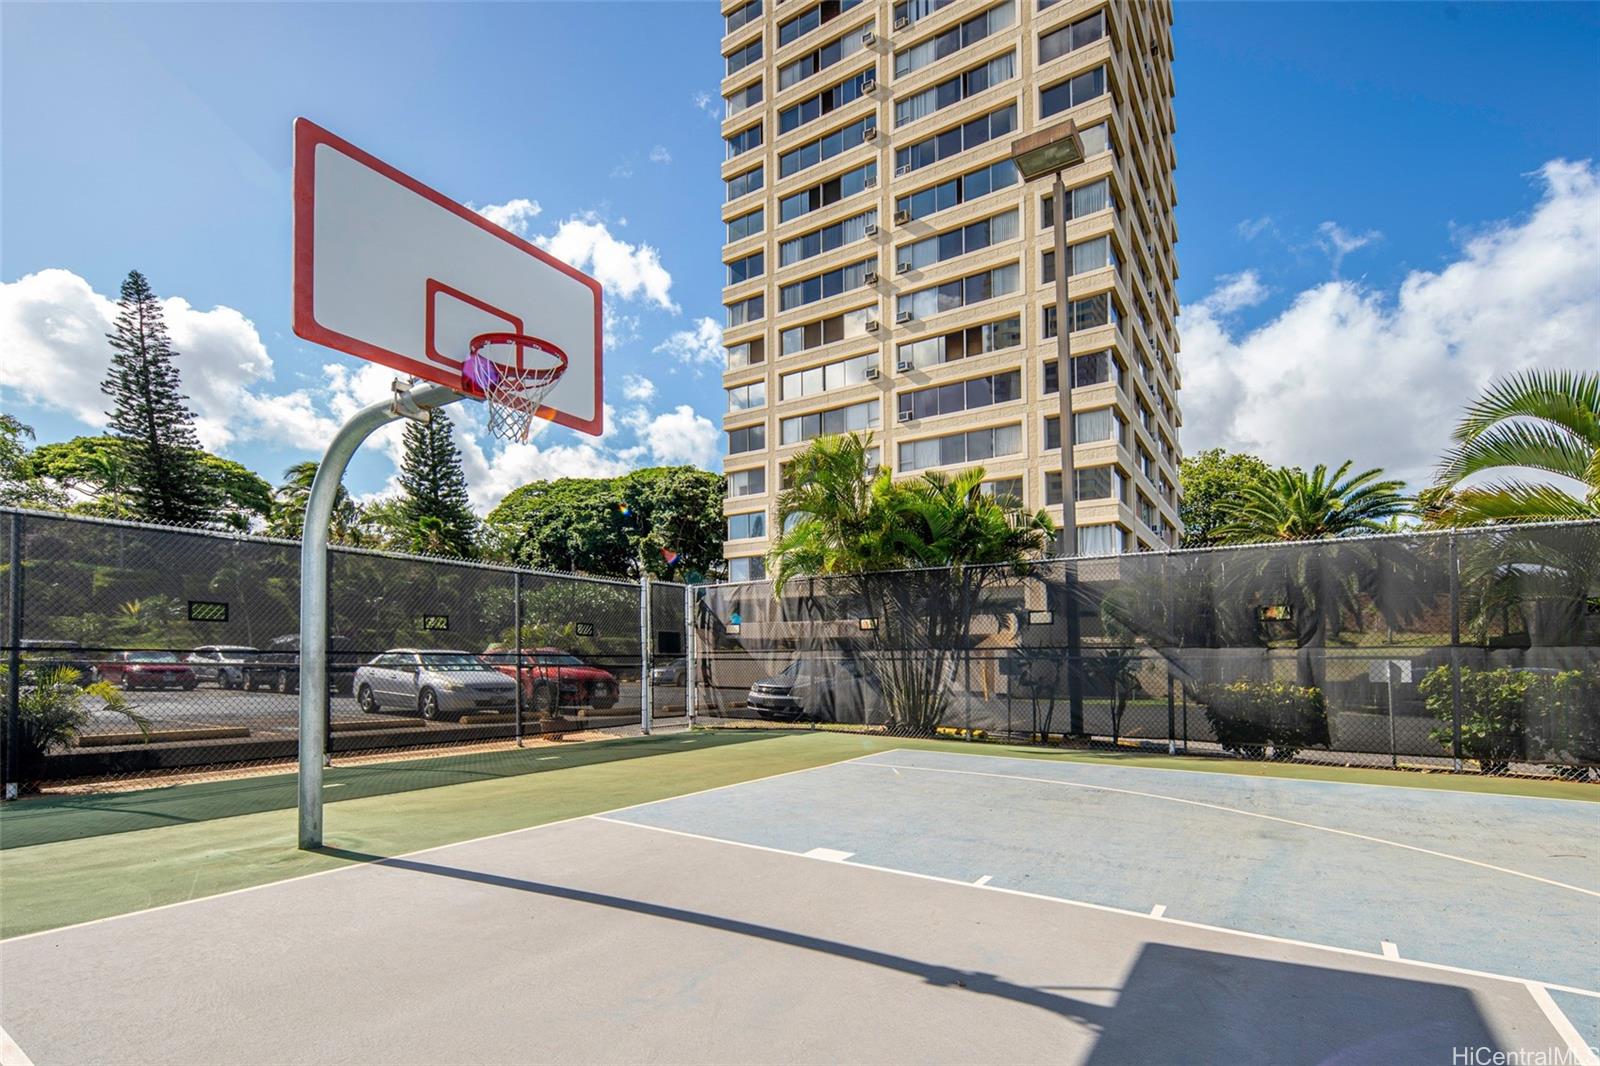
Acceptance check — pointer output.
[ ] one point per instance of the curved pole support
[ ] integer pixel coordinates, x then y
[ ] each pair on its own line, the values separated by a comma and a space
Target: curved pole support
407, 402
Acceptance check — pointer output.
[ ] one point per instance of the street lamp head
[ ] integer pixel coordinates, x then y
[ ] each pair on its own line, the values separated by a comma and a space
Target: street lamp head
1048, 151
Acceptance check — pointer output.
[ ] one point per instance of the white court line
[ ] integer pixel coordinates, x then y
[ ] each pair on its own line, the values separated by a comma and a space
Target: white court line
1108, 909
1390, 950
10, 1053
411, 854
1582, 1053
1247, 814
1158, 910
985, 879
1046, 756
828, 854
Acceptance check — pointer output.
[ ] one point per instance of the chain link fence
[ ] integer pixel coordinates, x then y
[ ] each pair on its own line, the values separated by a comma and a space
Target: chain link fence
144, 650
1475, 650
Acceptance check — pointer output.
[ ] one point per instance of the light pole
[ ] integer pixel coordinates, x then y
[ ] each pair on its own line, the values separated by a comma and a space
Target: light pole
1048, 153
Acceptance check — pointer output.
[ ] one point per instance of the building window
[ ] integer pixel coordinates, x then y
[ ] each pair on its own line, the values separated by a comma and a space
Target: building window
825, 102
741, 184
747, 397
741, 15
747, 225
912, 10
973, 237
814, 62
962, 292
741, 312
960, 396
1101, 540
813, 17
1094, 483
1081, 202
825, 378
828, 192
746, 568
955, 140
745, 268
1052, 434
970, 447
747, 526
826, 239
953, 90
1085, 31
962, 343
1095, 368
1088, 313
1009, 489
1072, 92
750, 482
1092, 427
825, 148
743, 141
747, 439
824, 331
955, 38
959, 190
823, 286
852, 419
741, 99
1095, 254
747, 354
738, 60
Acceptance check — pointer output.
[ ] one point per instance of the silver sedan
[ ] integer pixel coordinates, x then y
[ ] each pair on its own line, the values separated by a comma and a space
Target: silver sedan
433, 683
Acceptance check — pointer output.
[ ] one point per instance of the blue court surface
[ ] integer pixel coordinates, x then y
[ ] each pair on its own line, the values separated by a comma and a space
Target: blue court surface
905, 906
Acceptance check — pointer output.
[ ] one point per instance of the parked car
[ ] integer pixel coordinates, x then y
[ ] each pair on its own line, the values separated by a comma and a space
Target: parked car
817, 690
39, 657
145, 669
277, 667
222, 664
671, 674
552, 678
434, 683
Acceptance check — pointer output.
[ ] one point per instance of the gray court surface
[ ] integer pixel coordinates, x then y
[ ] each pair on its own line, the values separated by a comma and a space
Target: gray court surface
830, 915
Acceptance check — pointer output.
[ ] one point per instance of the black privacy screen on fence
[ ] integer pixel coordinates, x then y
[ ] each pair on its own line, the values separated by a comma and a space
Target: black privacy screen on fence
145, 649
1478, 649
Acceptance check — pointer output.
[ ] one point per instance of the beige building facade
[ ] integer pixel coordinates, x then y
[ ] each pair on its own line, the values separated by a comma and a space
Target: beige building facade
886, 270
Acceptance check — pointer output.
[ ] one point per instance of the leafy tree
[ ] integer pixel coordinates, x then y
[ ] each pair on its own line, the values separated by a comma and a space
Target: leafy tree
148, 414
246, 497
289, 502
1214, 484
20, 484
99, 468
1289, 504
605, 526
1546, 420
438, 517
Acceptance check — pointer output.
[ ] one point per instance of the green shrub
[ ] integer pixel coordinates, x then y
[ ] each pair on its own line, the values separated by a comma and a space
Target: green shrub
1498, 706
52, 711
1250, 716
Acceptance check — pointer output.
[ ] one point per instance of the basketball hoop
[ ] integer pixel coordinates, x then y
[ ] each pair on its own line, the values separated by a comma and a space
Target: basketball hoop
512, 389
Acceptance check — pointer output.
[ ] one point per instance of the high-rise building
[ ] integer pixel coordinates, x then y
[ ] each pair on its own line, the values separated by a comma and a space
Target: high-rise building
887, 270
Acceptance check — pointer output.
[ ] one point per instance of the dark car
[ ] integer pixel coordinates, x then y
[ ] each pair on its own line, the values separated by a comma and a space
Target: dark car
40, 657
816, 690
277, 667
552, 677
145, 669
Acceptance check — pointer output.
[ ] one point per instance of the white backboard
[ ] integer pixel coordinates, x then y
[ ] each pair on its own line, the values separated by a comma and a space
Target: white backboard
387, 269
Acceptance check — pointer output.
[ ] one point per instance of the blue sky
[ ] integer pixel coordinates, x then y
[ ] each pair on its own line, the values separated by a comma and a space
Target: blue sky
1373, 206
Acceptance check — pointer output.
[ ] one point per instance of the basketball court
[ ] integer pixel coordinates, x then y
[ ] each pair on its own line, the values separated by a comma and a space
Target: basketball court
906, 905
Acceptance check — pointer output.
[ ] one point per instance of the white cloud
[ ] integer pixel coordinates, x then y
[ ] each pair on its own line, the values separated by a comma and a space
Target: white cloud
637, 388
1339, 242
659, 154
513, 215
700, 345
1251, 228
617, 328
622, 171
681, 436
706, 102
626, 270
1237, 291
1346, 371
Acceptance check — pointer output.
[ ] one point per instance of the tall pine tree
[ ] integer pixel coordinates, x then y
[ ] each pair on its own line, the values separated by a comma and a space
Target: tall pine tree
164, 476
437, 516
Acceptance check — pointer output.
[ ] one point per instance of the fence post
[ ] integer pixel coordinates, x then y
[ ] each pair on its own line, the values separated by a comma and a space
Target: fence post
690, 652
14, 657
1172, 711
1455, 653
644, 650
516, 647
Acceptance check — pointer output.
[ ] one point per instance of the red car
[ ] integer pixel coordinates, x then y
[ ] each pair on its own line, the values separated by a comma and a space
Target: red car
552, 677
146, 669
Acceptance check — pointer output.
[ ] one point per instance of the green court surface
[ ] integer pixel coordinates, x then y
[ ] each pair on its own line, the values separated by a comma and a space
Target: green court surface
65, 860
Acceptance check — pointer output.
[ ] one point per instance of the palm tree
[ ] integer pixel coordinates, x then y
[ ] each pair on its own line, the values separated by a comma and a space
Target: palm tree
1547, 420
289, 513
1289, 504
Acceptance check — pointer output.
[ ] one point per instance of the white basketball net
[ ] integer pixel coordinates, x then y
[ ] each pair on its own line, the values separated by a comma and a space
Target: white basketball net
513, 392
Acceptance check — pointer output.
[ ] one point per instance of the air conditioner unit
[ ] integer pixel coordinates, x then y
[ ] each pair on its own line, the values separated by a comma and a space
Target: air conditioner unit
871, 278
870, 85
870, 182
901, 23
903, 317
905, 416
902, 170
870, 133
903, 367
902, 268
868, 38
872, 325
870, 229
872, 373
902, 217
